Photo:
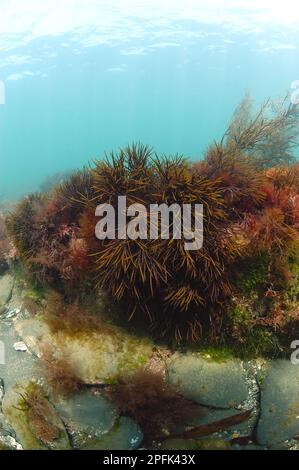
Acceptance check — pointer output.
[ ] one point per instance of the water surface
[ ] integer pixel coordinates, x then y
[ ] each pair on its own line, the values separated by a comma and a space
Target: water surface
83, 78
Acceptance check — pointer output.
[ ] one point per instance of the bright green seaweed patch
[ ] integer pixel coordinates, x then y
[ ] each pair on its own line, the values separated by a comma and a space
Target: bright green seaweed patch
34, 418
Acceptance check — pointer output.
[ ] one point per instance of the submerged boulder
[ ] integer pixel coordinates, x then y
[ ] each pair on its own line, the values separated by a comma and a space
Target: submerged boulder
34, 419
218, 384
193, 444
279, 419
94, 356
87, 417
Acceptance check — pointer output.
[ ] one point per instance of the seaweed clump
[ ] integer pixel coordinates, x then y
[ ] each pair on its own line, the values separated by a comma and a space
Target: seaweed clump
46, 234
243, 283
61, 378
40, 414
153, 404
259, 178
158, 278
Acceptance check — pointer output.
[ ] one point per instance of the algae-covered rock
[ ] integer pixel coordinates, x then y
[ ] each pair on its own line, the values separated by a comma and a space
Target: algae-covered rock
87, 416
94, 356
193, 444
279, 418
219, 384
125, 435
6, 286
36, 422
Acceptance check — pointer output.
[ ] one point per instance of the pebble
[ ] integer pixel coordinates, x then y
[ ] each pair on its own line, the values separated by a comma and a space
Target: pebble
20, 346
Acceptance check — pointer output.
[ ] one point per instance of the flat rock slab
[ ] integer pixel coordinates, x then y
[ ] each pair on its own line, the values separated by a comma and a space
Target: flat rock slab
279, 418
6, 286
218, 384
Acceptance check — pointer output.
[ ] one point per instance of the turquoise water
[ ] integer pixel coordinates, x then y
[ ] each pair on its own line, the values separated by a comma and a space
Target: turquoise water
82, 78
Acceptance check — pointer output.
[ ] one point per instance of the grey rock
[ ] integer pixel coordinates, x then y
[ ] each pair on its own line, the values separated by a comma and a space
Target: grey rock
242, 429
279, 418
20, 346
286, 445
6, 286
218, 384
86, 416
125, 435
5, 428
93, 423
1, 391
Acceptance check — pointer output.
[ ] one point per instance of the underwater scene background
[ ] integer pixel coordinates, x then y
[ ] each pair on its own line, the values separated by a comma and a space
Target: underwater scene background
83, 78
123, 342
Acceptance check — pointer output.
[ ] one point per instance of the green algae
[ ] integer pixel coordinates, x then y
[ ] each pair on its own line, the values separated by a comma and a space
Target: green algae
193, 444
